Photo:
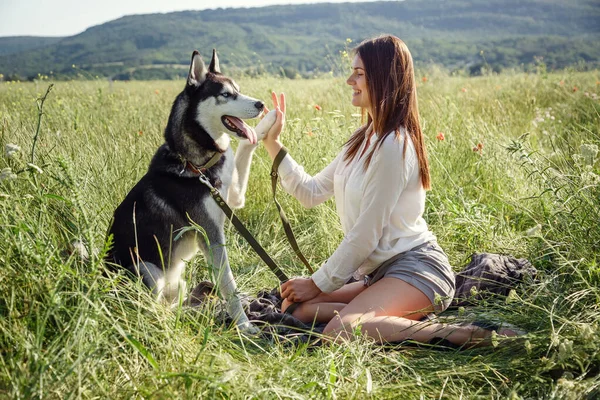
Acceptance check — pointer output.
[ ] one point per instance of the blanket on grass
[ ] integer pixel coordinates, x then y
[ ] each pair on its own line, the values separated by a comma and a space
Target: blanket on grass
486, 275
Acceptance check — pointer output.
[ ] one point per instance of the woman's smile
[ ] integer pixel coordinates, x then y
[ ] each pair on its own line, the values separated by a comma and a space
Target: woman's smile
358, 81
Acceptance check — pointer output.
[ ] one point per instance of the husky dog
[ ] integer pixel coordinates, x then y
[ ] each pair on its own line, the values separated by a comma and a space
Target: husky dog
161, 205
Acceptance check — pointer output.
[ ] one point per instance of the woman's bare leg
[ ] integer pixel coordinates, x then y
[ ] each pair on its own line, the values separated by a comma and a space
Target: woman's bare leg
390, 311
323, 307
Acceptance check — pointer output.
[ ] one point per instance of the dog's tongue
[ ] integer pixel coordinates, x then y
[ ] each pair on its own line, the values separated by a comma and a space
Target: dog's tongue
245, 128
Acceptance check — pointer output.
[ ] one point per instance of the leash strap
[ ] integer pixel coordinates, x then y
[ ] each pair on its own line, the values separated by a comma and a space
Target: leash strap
286, 224
216, 195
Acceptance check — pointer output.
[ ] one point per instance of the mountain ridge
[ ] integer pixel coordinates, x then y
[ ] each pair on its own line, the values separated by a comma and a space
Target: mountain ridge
306, 39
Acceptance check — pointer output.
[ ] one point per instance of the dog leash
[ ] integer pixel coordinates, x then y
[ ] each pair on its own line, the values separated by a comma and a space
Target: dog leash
216, 195
286, 224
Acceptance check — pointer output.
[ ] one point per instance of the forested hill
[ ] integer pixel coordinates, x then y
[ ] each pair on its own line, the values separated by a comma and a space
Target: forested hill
306, 39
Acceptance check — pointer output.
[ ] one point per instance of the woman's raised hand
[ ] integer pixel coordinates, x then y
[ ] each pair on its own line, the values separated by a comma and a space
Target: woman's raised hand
279, 106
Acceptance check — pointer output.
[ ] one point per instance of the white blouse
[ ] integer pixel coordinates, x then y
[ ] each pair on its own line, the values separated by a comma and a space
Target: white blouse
380, 208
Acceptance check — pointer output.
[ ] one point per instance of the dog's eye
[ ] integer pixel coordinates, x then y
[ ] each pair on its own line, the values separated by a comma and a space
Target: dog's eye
226, 95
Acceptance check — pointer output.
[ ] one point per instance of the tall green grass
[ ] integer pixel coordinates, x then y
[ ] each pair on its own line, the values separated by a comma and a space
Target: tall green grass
531, 189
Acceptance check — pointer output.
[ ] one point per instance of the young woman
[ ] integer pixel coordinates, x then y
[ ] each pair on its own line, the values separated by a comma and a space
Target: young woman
379, 181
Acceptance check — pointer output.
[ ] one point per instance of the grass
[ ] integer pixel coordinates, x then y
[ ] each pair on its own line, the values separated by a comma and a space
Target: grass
530, 190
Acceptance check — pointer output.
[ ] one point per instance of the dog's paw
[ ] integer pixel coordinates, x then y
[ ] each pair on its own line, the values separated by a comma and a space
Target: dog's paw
248, 328
265, 124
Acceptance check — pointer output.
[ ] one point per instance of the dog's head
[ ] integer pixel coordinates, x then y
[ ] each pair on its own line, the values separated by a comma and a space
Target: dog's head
216, 103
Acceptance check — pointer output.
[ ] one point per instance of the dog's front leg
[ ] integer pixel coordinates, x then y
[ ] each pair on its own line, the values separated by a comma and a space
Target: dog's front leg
236, 196
243, 158
227, 287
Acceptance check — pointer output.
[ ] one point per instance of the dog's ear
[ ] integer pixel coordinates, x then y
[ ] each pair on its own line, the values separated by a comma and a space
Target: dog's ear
214, 63
198, 70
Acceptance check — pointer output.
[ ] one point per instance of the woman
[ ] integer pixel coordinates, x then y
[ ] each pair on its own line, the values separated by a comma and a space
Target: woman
379, 181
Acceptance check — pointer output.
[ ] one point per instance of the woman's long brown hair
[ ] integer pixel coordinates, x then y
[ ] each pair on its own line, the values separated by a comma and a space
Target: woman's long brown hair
390, 77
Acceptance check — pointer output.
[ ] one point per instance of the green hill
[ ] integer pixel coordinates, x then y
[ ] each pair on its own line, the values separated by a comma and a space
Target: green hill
18, 44
305, 39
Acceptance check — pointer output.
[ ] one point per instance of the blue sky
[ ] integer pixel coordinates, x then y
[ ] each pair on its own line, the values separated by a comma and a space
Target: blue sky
68, 17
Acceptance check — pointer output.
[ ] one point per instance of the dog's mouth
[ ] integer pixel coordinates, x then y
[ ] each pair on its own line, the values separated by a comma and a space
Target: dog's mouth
239, 127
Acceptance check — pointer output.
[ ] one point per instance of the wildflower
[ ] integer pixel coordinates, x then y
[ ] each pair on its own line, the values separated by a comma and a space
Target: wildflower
156, 91
565, 349
12, 150
561, 83
534, 230
35, 168
140, 133
597, 83
310, 133
7, 175
473, 291
589, 153
424, 79
575, 88
587, 332
440, 136
318, 107
348, 40
464, 90
498, 87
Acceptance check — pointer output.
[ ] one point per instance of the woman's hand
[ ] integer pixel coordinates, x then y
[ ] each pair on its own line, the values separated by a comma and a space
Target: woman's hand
298, 290
271, 140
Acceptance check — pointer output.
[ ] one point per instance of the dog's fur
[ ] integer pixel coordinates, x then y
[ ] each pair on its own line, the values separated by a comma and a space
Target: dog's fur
164, 201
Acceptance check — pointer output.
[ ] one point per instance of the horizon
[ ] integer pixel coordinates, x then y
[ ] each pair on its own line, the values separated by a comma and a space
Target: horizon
41, 19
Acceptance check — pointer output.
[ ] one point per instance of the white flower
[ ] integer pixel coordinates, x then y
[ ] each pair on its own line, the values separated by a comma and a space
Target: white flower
590, 178
7, 174
589, 153
534, 230
35, 168
11, 150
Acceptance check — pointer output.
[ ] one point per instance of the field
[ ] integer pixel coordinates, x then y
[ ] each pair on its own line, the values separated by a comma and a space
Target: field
515, 170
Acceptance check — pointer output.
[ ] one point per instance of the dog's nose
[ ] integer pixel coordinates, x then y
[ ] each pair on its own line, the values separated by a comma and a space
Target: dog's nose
259, 105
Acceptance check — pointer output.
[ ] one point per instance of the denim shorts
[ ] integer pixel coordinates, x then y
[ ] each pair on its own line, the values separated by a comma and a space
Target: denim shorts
425, 267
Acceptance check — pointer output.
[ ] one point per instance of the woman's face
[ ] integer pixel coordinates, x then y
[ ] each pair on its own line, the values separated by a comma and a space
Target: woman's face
358, 81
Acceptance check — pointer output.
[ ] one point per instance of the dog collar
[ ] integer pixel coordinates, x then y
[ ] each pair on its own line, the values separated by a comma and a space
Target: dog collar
197, 170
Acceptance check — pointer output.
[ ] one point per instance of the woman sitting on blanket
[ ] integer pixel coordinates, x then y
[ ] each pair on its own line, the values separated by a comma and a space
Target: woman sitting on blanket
379, 181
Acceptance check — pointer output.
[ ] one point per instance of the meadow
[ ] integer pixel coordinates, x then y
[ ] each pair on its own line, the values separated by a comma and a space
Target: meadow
515, 170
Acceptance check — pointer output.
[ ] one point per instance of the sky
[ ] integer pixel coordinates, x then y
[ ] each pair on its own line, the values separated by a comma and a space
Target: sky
70, 17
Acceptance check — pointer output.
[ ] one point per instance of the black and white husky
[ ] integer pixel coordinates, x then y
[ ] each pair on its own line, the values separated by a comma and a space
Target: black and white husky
204, 116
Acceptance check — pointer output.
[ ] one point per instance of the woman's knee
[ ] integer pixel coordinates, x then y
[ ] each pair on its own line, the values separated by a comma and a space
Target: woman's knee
300, 312
341, 325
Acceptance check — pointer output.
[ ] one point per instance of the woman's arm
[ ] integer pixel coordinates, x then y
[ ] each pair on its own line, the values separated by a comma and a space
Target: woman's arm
384, 182
309, 190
